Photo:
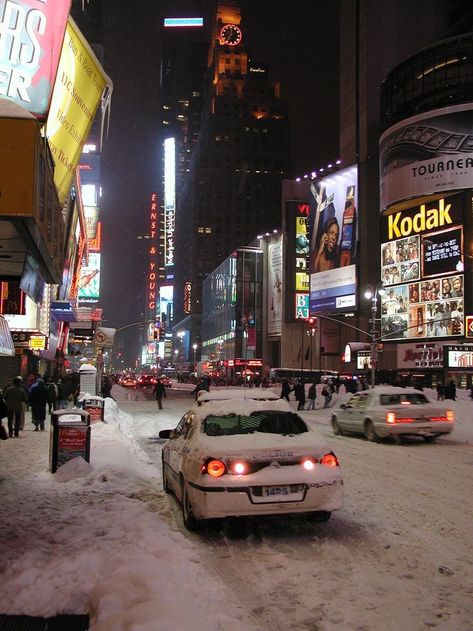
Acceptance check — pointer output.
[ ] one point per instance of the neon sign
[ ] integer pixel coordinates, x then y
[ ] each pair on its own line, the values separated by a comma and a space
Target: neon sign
169, 199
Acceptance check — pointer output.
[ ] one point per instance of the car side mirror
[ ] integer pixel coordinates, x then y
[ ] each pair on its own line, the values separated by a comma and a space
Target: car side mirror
167, 433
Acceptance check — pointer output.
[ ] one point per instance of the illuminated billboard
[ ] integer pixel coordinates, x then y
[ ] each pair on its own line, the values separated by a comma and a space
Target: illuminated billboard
169, 199
32, 33
152, 275
89, 282
458, 357
333, 238
296, 277
183, 22
427, 154
78, 91
166, 297
275, 286
423, 271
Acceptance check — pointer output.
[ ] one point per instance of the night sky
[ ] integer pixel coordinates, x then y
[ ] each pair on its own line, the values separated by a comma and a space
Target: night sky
298, 39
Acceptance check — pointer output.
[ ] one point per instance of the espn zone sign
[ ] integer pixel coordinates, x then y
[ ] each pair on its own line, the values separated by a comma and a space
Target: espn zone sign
427, 217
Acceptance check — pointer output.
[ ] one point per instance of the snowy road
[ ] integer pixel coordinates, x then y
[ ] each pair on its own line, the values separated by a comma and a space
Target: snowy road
398, 556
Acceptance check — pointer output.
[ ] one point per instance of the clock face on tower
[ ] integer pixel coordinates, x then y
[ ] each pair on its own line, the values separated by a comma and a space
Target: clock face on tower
231, 35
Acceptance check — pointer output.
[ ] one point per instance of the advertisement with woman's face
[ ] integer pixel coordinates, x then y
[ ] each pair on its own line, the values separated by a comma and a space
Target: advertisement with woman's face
333, 235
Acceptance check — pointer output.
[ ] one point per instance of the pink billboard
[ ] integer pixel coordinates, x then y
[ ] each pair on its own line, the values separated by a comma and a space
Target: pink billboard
32, 33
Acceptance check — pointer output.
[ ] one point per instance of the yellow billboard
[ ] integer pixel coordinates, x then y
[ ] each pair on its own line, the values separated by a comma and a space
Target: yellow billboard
81, 84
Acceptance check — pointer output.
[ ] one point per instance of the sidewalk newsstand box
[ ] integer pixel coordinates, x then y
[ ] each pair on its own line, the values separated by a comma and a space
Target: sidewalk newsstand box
95, 406
70, 436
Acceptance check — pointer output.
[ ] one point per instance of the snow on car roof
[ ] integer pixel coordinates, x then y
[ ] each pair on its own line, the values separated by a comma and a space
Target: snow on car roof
394, 390
240, 406
225, 394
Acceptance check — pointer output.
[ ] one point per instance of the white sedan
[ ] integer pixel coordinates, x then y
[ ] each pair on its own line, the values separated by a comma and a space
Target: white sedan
387, 411
247, 454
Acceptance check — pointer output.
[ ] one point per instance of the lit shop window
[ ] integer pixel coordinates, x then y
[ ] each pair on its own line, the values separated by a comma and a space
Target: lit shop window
208, 230
200, 230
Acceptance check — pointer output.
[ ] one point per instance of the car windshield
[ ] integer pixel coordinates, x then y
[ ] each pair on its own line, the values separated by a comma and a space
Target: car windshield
407, 398
267, 422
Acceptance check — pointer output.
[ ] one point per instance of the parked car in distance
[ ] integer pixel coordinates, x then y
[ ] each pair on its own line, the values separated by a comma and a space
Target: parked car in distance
166, 381
391, 412
147, 381
129, 382
233, 455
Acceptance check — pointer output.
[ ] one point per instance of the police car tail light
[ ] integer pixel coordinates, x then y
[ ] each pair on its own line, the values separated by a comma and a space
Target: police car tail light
308, 463
330, 460
214, 468
450, 416
390, 417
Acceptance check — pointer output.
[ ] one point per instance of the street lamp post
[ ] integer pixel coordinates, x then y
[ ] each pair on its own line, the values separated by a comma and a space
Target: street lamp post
373, 294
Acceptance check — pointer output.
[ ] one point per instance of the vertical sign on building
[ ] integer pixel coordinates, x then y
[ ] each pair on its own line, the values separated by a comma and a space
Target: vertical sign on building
275, 286
152, 276
169, 200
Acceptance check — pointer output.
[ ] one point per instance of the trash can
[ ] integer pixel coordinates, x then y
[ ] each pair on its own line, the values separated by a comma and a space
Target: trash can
70, 437
95, 406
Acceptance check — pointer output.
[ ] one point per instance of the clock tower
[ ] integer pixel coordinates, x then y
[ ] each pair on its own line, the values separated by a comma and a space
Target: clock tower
226, 54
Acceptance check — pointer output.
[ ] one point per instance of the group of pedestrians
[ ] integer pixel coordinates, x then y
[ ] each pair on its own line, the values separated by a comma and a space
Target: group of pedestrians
40, 394
300, 394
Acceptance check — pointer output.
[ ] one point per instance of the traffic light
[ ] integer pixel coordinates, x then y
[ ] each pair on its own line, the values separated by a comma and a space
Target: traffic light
312, 324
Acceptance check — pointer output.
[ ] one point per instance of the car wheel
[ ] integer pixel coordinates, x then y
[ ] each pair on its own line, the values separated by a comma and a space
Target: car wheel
337, 430
166, 487
190, 522
319, 517
370, 432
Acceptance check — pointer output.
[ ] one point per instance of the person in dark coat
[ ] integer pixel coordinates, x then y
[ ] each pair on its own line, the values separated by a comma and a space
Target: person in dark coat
39, 399
53, 392
15, 398
312, 396
285, 389
451, 391
159, 392
299, 394
106, 387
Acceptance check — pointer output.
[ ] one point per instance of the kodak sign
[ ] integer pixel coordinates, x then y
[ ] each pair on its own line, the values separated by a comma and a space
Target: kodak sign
426, 219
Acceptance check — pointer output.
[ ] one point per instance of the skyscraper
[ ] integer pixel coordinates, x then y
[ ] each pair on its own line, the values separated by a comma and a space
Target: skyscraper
232, 190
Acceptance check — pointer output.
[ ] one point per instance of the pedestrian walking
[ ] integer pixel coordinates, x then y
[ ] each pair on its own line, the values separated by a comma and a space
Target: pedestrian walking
299, 394
327, 395
15, 398
203, 384
312, 396
285, 389
440, 391
159, 392
39, 399
53, 393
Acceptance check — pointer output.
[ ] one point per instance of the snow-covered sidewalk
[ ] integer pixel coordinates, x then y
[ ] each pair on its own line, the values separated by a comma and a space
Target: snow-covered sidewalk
99, 538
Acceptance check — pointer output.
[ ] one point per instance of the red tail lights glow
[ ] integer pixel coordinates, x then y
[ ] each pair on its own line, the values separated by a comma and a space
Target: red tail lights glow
390, 417
215, 468
330, 460
450, 416
308, 464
